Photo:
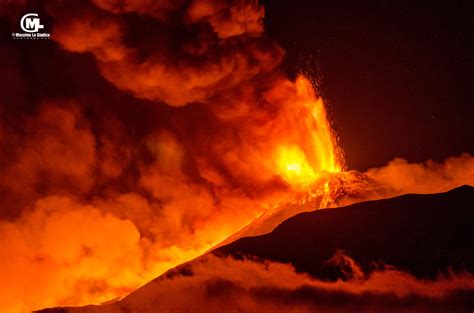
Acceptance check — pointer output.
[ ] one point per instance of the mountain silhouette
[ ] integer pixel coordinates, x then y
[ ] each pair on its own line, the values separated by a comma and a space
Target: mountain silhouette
420, 235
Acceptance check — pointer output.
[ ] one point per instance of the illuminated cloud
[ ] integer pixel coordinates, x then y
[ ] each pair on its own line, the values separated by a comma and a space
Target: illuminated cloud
212, 284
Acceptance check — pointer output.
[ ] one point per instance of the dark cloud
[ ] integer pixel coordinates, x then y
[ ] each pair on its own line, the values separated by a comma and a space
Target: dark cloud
217, 284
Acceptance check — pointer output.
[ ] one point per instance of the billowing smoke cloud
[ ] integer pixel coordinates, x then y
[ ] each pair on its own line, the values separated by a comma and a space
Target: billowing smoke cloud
61, 252
213, 284
403, 177
223, 48
141, 135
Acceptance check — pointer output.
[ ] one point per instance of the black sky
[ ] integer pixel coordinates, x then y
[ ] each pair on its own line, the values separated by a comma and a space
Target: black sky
398, 75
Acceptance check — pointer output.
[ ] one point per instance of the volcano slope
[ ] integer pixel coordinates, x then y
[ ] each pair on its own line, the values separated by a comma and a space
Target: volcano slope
412, 253
420, 234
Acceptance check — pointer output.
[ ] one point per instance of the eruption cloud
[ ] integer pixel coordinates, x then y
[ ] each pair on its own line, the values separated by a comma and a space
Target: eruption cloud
213, 284
145, 133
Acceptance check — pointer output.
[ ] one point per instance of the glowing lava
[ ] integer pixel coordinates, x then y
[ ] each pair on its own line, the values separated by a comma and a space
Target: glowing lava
293, 166
302, 163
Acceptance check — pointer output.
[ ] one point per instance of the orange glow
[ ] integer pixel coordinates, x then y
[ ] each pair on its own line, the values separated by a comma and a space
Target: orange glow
182, 143
169, 218
367, 292
315, 151
292, 164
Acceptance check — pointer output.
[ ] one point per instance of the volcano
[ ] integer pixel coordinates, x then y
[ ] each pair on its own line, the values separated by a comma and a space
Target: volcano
415, 239
196, 140
421, 234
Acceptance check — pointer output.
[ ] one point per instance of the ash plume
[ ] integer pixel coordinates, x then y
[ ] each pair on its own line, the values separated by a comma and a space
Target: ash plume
141, 135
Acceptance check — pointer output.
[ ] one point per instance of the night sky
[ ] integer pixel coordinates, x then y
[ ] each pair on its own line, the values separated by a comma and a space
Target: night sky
397, 75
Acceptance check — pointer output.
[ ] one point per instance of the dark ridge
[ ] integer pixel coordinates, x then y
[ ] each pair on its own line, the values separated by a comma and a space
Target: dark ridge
421, 234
